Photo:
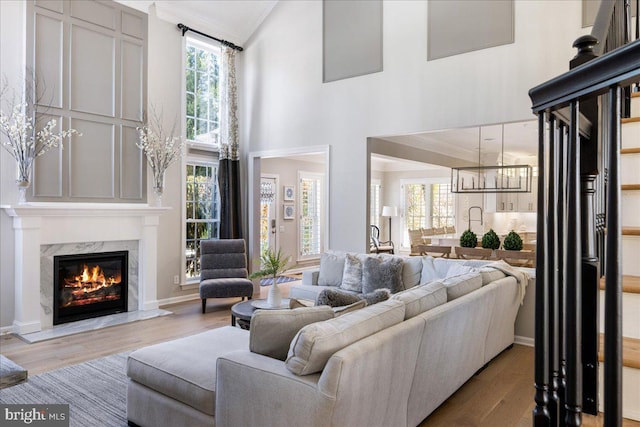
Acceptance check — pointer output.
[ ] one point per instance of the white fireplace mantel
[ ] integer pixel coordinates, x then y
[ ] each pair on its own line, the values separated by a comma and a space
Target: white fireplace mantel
37, 224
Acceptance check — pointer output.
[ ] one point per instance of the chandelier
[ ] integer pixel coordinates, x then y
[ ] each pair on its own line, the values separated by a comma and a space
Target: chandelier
492, 179
267, 195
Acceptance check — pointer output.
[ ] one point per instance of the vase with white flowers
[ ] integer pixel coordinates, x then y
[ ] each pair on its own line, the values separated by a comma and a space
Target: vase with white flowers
24, 142
160, 148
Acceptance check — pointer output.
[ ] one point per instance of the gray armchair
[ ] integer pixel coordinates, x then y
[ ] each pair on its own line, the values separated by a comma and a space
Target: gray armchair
223, 270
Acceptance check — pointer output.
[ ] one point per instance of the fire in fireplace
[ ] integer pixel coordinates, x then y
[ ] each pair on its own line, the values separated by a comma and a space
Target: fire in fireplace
89, 285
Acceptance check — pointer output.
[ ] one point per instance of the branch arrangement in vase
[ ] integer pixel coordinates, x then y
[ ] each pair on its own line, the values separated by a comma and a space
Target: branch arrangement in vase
160, 148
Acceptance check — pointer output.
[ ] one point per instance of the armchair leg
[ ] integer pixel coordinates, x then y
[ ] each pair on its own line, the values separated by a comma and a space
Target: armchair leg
204, 305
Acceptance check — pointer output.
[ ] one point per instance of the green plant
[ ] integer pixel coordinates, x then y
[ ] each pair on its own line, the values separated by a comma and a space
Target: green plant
512, 242
490, 240
468, 239
272, 265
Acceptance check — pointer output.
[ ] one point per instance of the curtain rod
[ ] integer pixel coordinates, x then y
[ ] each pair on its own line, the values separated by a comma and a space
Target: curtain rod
184, 29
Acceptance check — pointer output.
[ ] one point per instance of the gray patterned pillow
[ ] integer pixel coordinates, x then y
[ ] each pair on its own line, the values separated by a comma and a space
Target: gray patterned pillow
378, 273
352, 274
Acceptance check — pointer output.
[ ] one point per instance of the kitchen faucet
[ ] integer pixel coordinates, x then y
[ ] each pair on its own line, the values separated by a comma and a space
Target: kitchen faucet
474, 207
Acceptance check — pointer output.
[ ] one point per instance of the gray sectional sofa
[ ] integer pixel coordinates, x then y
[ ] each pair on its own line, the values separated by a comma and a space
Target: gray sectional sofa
388, 364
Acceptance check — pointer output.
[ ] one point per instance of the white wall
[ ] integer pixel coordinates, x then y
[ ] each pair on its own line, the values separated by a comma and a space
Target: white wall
289, 106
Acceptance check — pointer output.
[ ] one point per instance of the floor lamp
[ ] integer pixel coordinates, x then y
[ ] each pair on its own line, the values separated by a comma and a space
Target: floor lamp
389, 211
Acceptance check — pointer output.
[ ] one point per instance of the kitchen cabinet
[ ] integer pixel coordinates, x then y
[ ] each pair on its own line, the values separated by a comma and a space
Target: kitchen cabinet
513, 202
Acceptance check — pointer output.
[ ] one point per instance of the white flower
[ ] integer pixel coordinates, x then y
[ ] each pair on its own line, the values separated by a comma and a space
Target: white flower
23, 143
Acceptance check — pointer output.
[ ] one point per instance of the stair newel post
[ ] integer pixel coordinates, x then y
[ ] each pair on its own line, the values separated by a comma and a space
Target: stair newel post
541, 365
561, 230
613, 274
552, 272
573, 268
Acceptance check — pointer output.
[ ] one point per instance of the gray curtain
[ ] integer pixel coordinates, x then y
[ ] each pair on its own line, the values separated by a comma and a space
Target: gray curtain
229, 166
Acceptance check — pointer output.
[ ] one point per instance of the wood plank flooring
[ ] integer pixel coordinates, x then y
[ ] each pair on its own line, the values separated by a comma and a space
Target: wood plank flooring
500, 395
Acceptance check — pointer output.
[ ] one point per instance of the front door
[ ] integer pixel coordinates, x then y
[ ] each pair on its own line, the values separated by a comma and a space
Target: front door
268, 220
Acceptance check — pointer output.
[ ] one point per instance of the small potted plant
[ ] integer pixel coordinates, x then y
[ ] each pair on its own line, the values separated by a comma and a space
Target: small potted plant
490, 240
273, 264
468, 239
513, 242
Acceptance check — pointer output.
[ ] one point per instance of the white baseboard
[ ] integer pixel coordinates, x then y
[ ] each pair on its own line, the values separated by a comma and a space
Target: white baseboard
529, 342
175, 300
6, 330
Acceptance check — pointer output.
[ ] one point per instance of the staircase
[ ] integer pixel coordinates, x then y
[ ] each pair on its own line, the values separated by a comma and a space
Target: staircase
630, 168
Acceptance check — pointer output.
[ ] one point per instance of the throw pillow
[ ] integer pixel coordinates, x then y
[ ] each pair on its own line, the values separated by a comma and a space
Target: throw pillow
272, 330
458, 286
422, 298
376, 296
312, 347
378, 273
457, 269
411, 271
429, 273
336, 298
352, 274
331, 268
339, 311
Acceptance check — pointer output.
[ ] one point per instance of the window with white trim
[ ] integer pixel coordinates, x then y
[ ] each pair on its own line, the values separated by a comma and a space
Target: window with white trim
310, 215
202, 72
426, 204
374, 200
202, 106
202, 212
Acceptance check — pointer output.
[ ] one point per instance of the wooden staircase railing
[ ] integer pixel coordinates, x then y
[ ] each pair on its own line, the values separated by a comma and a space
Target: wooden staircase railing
572, 213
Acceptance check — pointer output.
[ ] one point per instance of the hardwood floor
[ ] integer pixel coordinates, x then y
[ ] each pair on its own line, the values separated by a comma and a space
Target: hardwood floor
500, 395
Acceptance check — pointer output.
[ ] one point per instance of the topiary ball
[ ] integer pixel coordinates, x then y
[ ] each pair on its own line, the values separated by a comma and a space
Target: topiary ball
468, 239
512, 242
490, 240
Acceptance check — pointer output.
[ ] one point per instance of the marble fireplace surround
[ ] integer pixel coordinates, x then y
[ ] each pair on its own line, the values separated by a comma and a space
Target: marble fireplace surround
42, 230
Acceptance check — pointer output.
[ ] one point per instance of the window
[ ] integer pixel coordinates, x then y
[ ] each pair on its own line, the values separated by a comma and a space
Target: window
202, 212
442, 206
310, 206
202, 123
374, 198
426, 204
203, 92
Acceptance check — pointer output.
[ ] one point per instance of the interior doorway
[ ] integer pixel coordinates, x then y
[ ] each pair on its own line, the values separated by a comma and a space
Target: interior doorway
268, 213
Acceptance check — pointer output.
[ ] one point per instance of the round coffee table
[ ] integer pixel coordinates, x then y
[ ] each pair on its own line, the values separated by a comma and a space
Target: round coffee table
242, 312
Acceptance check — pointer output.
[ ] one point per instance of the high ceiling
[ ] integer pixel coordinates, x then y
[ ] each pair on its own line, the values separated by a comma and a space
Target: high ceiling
230, 20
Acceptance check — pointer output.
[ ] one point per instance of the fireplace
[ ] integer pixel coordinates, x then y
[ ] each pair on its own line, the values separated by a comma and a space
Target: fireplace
89, 285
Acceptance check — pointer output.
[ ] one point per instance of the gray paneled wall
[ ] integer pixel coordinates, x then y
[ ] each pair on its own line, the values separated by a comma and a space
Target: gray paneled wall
90, 59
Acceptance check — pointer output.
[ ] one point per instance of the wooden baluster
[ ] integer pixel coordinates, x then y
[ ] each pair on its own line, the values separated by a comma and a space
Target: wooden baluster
561, 230
613, 274
573, 267
552, 272
541, 365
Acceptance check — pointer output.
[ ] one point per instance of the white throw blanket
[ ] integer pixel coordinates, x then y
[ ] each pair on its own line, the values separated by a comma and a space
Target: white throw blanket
521, 276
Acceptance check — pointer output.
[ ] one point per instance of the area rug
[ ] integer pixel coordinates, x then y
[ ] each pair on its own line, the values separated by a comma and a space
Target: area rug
96, 391
267, 281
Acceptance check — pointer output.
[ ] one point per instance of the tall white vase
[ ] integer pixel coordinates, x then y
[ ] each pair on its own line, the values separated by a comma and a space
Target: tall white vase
274, 297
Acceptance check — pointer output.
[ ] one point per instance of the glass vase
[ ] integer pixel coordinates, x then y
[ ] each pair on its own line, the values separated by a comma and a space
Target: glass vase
158, 187
23, 185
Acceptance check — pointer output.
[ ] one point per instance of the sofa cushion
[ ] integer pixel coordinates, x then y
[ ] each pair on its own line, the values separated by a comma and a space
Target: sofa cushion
422, 298
429, 273
383, 272
490, 274
272, 330
458, 286
316, 343
352, 274
411, 271
331, 268
185, 369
